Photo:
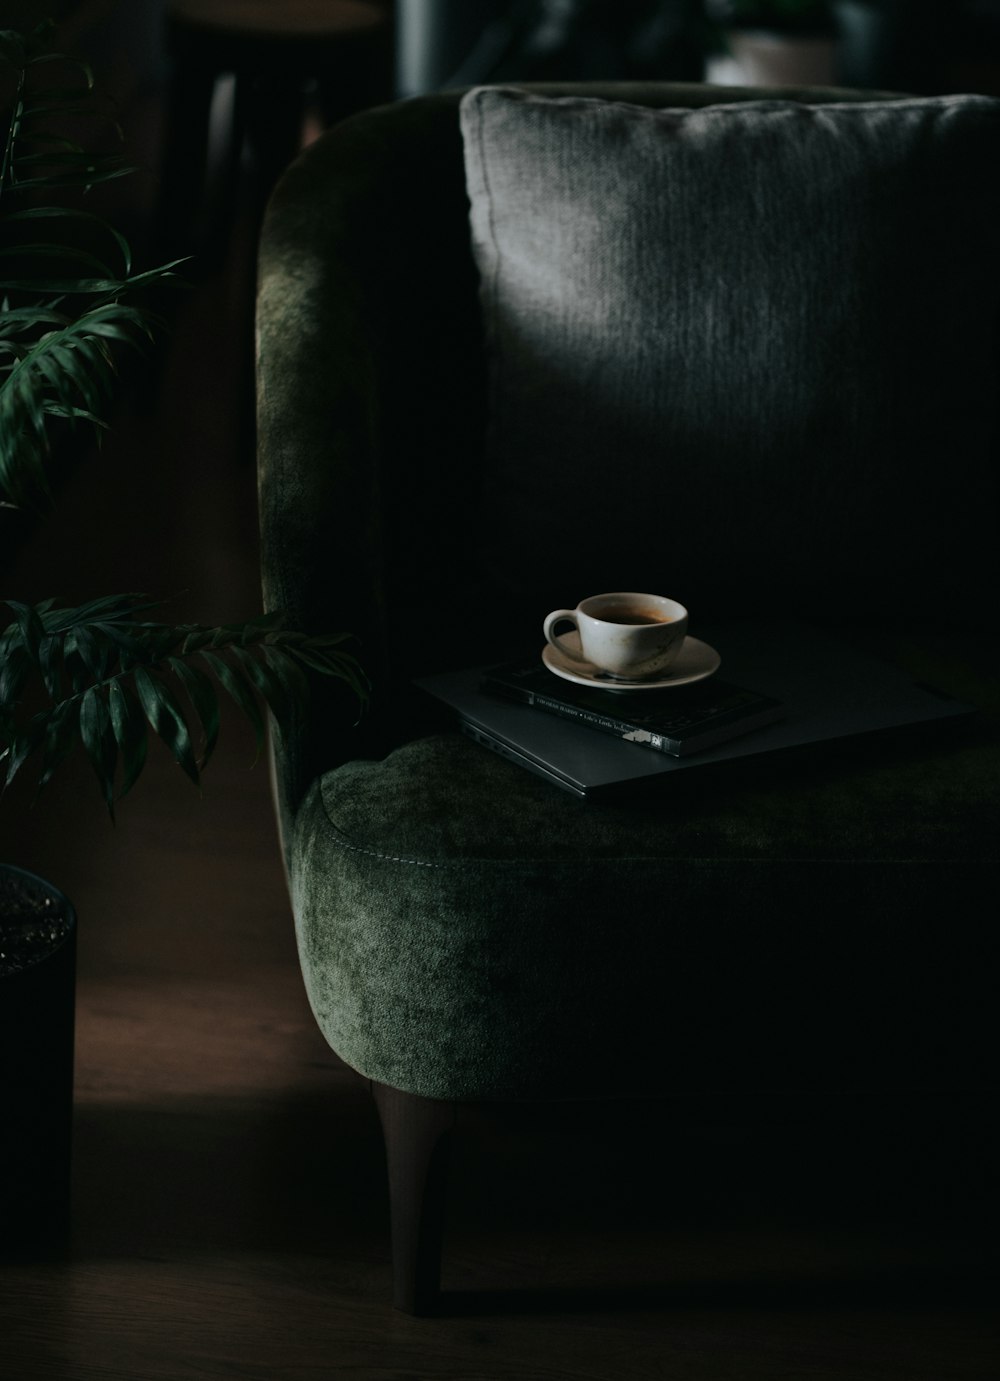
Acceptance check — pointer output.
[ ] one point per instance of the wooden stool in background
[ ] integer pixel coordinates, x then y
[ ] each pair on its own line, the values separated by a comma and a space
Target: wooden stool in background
282, 55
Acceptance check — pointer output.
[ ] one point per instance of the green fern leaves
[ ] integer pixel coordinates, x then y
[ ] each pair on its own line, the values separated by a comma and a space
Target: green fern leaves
106, 677
101, 675
66, 275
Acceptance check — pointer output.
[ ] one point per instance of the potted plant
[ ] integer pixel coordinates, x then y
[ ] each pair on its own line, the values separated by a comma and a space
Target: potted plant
775, 42
107, 674
37, 1003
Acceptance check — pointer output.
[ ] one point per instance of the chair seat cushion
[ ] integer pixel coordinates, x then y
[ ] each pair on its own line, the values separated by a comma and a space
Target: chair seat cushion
810, 923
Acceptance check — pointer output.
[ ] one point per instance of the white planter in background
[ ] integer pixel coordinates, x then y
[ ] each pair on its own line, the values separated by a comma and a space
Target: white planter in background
758, 57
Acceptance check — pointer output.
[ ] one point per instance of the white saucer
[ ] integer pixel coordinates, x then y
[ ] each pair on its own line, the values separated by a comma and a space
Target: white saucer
694, 662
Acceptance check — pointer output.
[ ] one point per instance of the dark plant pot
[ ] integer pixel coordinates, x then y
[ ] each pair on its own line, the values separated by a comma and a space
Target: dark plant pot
37, 1005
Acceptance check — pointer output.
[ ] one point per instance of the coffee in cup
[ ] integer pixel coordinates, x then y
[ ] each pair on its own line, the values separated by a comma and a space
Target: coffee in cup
633, 637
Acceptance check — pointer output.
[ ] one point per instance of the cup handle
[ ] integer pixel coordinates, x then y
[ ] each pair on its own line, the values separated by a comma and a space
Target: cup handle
562, 616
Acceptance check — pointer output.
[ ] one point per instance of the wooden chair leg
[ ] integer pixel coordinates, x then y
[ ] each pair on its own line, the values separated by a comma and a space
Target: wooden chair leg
417, 1136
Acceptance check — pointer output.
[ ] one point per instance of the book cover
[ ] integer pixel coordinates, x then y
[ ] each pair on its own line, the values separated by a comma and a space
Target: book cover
676, 720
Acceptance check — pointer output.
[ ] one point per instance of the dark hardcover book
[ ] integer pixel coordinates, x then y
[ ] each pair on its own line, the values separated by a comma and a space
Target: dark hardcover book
832, 691
676, 720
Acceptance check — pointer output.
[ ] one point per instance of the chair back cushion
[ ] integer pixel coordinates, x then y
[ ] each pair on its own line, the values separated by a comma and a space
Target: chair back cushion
742, 355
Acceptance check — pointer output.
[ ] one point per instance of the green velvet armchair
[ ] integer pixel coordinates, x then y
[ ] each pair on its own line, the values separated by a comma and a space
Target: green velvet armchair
733, 346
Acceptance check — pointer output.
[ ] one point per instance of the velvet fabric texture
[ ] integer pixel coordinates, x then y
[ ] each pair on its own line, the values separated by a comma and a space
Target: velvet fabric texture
700, 322
466, 930
469, 931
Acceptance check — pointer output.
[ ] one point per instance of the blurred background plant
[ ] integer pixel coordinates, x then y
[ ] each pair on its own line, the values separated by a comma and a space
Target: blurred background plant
782, 16
101, 674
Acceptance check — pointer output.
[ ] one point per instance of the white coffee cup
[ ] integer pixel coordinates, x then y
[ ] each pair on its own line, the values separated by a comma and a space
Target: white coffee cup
630, 636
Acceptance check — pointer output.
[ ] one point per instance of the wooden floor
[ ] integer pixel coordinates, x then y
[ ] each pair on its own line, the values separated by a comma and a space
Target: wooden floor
230, 1215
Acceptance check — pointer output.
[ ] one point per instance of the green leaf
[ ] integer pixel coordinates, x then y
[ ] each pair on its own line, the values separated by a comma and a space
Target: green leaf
195, 640
86, 177
70, 368
166, 719
204, 702
124, 642
68, 153
157, 275
41, 137
60, 738
268, 686
78, 414
40, 51
51, 662
22, 746
105, 284
311, 659
14, 671
106, 608
262, 626
31, 626
14, 320
339, 664
94, 652
288, 671
129, 726
99, 741
236, 686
